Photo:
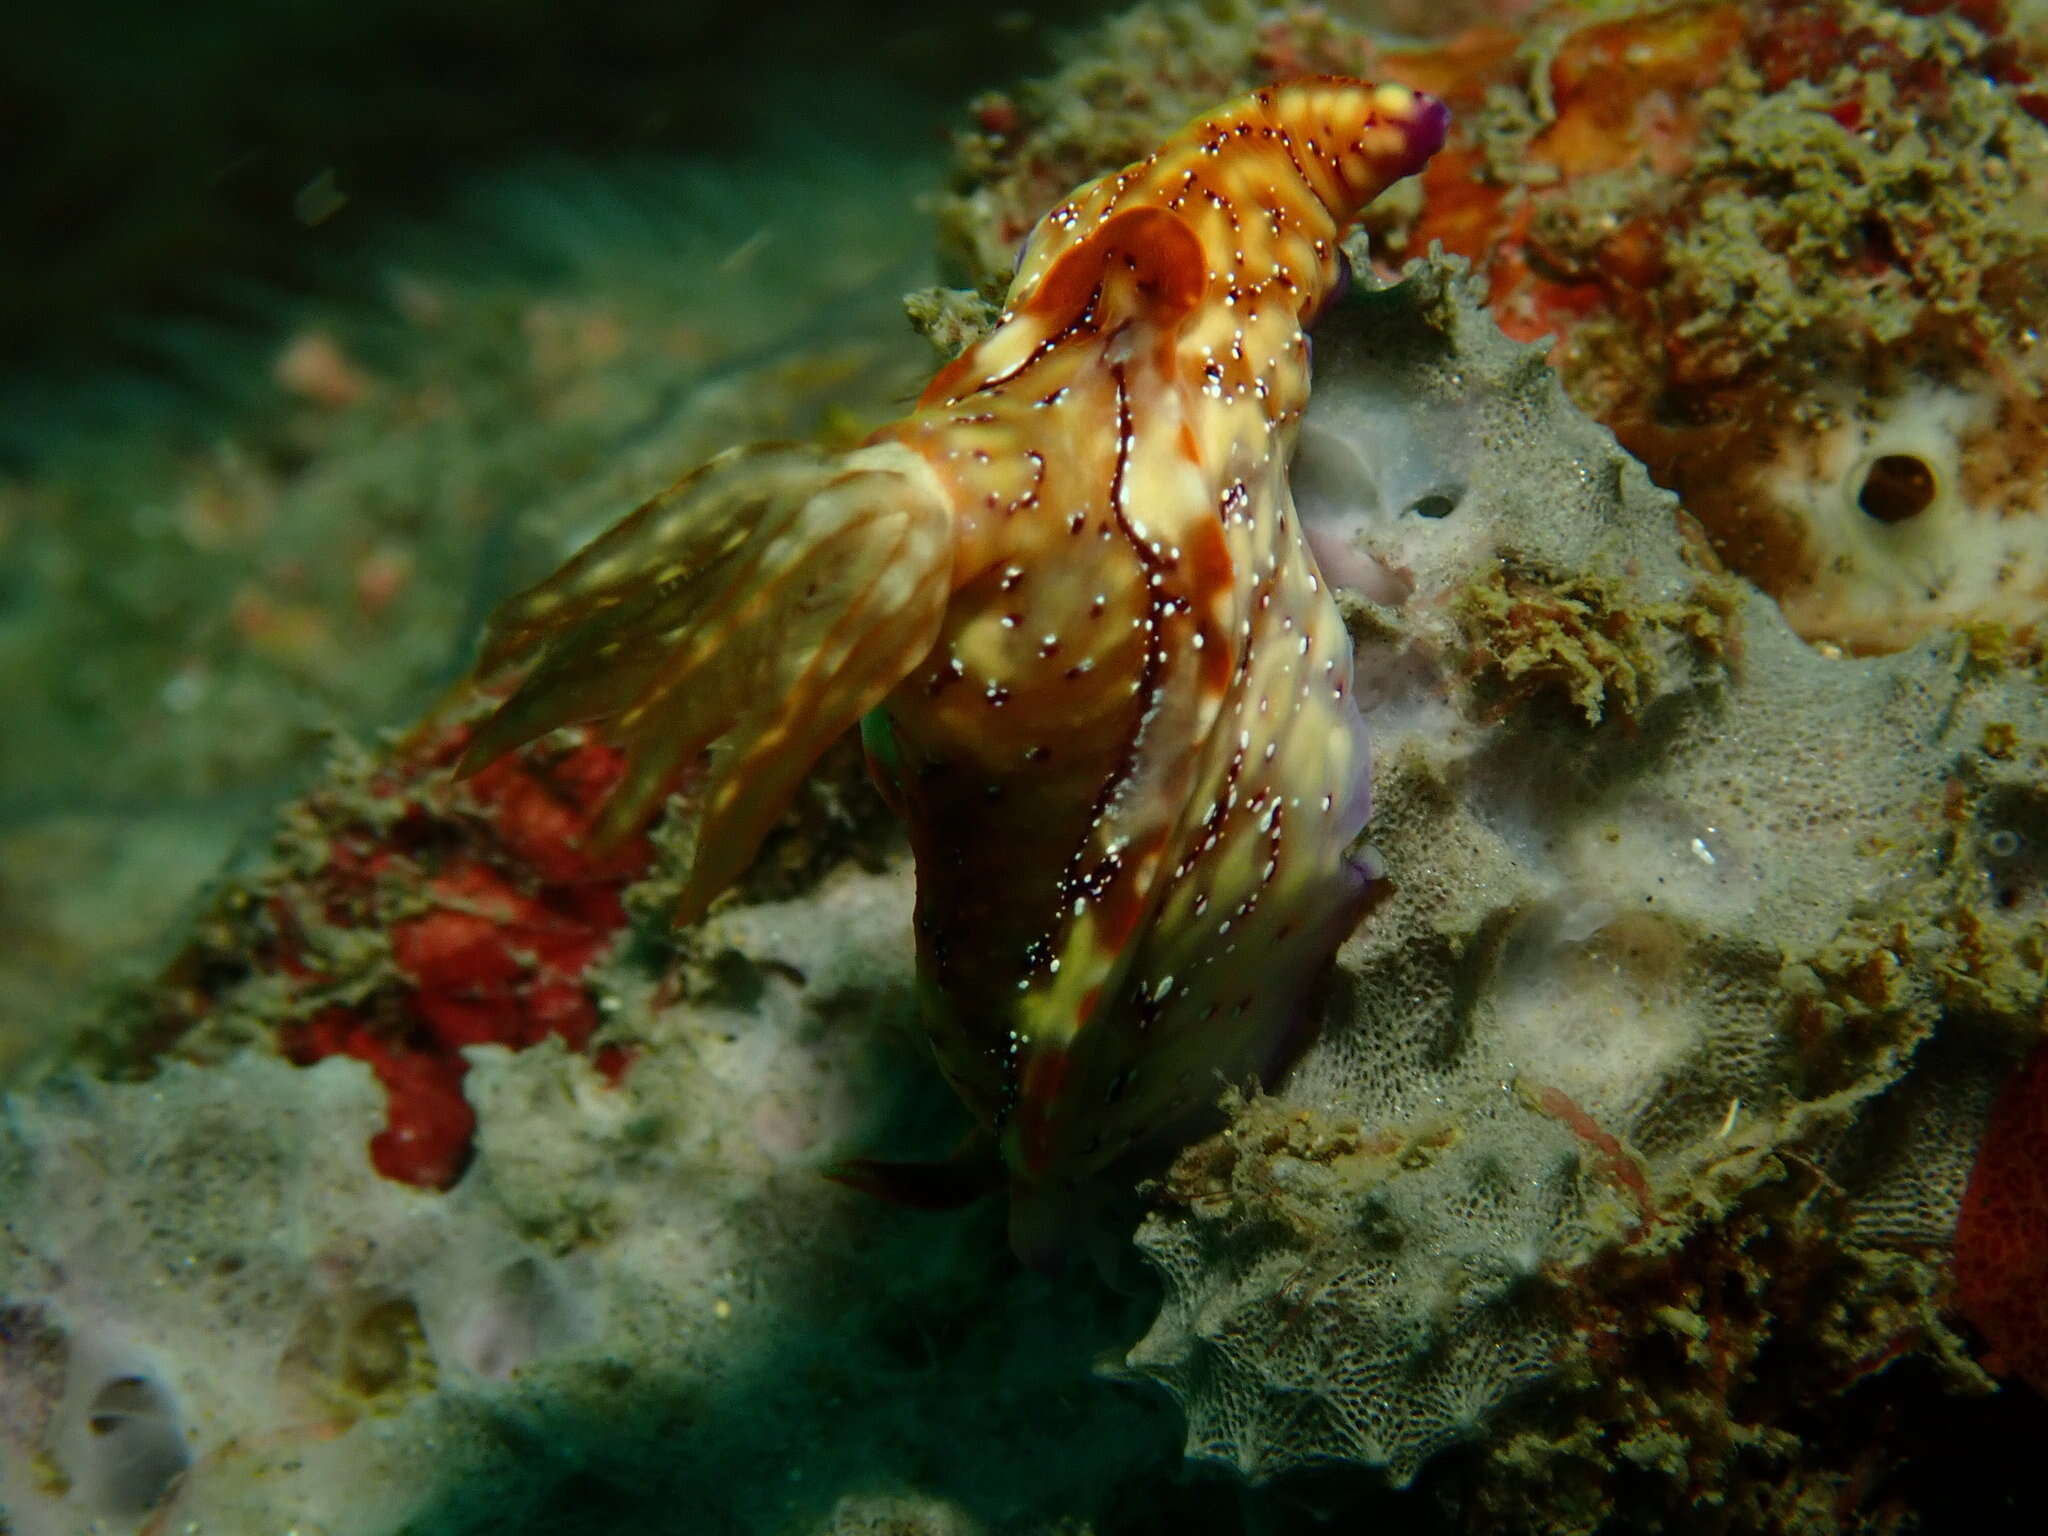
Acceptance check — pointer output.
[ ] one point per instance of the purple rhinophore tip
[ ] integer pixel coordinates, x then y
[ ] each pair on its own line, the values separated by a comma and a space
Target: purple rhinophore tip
1426, 130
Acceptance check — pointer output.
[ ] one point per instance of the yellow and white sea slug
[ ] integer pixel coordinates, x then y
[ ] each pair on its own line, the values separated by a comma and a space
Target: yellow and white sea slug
1111, 691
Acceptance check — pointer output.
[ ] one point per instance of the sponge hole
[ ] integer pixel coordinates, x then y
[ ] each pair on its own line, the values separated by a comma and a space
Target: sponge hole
2012, 847
521, 1314
134, 1443
1897, 487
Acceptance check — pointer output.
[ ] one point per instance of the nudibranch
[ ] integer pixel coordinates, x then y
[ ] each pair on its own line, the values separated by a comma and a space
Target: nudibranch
1106, 687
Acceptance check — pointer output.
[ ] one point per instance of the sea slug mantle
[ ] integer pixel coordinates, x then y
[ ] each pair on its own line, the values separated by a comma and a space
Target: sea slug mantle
1113, 691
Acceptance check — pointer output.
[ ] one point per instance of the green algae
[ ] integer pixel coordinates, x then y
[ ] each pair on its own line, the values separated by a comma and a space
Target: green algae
1798, 204
1582, 639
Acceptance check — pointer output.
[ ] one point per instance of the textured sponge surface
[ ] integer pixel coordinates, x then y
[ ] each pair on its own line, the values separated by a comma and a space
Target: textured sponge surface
1669, 899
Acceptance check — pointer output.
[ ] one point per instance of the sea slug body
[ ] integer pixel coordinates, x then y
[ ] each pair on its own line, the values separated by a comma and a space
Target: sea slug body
1112, 692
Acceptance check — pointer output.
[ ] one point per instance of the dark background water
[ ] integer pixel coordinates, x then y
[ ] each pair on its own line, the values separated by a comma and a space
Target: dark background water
153, 157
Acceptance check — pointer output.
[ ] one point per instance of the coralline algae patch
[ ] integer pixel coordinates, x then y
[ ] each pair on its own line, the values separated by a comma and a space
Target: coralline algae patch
1792, 253
407, 918
403, 917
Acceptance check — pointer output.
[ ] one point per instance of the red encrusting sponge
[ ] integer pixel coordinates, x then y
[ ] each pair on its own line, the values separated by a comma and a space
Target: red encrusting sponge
505, 909
2001, 1253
